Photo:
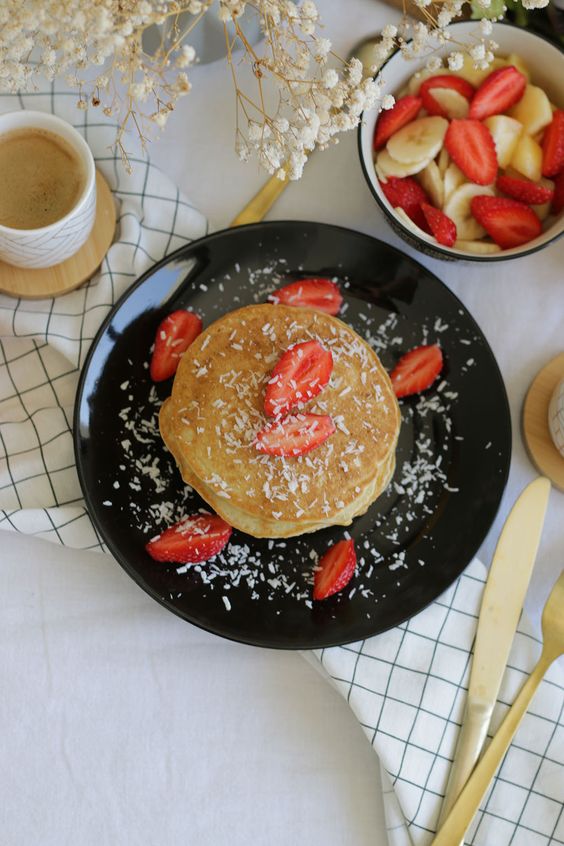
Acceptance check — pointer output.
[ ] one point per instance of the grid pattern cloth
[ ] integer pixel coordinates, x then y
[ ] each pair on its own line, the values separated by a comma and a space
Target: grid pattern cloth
406, 686
43, 343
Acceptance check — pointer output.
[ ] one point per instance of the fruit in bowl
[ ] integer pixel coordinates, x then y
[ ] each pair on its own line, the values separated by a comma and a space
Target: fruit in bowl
471, 162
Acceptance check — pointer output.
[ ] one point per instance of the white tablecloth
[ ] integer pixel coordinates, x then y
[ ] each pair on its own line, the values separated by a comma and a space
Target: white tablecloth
272, 755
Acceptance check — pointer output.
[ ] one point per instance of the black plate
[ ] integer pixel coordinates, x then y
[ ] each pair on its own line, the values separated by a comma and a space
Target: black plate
452, 460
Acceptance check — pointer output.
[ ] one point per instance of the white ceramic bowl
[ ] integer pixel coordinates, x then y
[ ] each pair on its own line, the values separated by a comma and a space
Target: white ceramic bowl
546, 64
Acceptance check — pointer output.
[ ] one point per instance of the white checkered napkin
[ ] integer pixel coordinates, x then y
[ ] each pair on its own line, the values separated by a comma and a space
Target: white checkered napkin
407, 688
43, 343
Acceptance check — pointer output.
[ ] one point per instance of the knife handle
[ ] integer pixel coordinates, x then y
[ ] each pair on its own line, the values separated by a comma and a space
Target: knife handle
473, 733
473, 792
265, 197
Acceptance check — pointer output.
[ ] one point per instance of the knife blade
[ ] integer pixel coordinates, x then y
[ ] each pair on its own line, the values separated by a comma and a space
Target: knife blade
500, 610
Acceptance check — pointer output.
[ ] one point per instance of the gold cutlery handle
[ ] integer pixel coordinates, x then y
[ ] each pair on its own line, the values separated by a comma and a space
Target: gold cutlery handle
261, 203
470, 742
472, 794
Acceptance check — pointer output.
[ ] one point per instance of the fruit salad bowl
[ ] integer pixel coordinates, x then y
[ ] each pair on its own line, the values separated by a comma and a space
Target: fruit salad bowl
469, 164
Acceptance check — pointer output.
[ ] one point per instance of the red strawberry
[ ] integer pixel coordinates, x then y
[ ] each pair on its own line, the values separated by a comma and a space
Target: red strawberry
192, 539
497, 93
442, 227
508, 222
408, 195
335, 570
558, 199
417, 370
390, 120
524, 190
553, 145
470, 145
294, 435
318, 293
300, 374
456, 82
174, 335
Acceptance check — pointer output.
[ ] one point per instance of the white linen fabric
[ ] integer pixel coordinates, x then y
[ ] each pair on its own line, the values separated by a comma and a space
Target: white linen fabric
406, 686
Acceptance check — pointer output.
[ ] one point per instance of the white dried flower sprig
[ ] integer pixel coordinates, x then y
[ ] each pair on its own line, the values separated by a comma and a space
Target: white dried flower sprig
315, 102
97, 47
420, 40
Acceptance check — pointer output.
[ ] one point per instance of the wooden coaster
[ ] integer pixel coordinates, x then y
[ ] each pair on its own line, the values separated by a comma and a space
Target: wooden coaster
538, 440
34, 283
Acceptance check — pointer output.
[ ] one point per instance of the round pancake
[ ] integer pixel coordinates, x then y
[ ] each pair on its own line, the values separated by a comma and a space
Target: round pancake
216, 409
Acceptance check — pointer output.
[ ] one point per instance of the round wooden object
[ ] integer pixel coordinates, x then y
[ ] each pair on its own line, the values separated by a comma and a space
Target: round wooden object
34, 283
538, 440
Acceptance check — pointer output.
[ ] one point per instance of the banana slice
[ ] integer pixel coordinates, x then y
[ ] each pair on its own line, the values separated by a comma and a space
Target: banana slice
480, 247
505, 132
443, 161
457, 207
453, 103
533, 110
387, 166
430, 180
452, 180
419, 140
407, 221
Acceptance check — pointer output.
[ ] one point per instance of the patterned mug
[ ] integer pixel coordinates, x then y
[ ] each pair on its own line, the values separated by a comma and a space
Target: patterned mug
61, 239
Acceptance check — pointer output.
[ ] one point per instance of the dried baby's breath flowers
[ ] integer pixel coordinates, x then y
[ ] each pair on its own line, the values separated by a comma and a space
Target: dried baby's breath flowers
420, 40
98, 47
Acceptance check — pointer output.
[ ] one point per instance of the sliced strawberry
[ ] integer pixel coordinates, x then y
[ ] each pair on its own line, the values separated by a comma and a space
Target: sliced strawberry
294, 435
553, 145
497, 93
300, 375
443, 81
508, 222
408, 195
174, 335
470, 145
335, 570
317, 292
390, 120
558, 199
442, 227
524, 190
192, 539
417, 370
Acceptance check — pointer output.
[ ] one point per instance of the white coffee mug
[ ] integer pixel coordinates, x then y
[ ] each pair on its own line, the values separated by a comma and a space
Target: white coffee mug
61, 239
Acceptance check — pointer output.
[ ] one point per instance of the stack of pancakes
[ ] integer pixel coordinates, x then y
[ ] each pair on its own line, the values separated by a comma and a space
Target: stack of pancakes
210, 422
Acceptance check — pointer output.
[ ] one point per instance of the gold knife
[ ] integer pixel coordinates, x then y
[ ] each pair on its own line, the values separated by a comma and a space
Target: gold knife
502, 602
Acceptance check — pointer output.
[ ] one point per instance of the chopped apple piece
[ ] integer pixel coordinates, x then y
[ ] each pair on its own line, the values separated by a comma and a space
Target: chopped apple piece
527, 158
505, 132
519, 63
533, 110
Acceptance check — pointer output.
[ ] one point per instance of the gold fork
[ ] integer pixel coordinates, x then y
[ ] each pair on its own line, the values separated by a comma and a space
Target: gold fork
469, 800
